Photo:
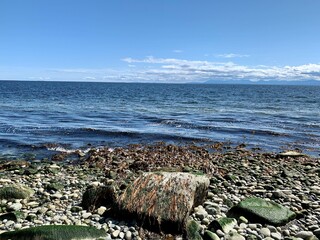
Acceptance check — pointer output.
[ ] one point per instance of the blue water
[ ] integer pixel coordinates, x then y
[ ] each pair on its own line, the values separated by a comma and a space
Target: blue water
37, 115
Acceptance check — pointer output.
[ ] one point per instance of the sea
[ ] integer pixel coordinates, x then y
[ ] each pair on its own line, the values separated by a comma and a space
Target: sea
42, 118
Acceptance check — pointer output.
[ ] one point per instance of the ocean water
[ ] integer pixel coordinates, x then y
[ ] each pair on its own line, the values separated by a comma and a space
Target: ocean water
39, 117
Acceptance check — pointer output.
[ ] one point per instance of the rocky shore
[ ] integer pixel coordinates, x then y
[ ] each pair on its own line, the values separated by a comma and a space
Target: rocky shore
116, 194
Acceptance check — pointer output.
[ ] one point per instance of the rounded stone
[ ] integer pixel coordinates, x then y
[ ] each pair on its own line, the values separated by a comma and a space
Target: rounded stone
121, 235
304, 234
265, 232
86, 215
115, 233
15, 206
276, 235
128, 235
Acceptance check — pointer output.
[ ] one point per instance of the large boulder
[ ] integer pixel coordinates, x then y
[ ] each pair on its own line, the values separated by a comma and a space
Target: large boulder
54, 232
261, 211
164, 200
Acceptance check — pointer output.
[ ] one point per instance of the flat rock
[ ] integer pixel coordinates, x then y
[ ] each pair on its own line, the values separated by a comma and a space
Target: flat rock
290, 154
259, 210
54, 232
164, 200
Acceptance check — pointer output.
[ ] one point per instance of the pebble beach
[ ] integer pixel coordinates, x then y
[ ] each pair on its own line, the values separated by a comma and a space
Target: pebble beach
292, 180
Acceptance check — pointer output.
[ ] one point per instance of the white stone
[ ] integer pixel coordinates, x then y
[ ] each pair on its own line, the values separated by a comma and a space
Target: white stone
15, 206
115, 233
265, 232
121, 235
86, 215
304, 234
101, 210
276, 236
128, 235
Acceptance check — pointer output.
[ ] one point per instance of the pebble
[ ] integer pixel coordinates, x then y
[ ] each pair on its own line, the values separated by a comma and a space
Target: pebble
128, 235
276, 235
86, 215
115, 233
317, 232
18, 226
63, 207
121, 235
234, 236
265, 232
252, 226
304, 234
15, 207
220, 233
101, 210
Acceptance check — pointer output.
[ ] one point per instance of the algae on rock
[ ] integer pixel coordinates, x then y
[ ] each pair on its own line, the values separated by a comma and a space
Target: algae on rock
225, 224
261, 211
54, 232
192, 230
164, 200
15, 192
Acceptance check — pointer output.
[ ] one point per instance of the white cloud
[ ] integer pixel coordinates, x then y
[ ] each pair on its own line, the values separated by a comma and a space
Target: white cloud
232, 55
89, 78
189, 70
177, 51
152, 69
39, 78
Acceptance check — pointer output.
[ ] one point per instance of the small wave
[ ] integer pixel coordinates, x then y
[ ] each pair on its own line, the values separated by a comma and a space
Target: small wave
146, 136
62, 149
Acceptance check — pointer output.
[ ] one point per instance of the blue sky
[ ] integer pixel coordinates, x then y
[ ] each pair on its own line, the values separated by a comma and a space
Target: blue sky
159, 41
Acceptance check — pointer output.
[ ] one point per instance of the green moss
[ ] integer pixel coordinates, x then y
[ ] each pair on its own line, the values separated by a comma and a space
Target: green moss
225, 224
208, 235
262, 211
193, 230
198, 173
15, 192
54, 232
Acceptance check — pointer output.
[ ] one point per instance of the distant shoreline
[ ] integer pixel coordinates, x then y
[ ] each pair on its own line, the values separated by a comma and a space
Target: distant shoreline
209, 82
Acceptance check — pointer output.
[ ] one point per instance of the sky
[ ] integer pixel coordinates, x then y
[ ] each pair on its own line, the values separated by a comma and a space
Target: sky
159, 41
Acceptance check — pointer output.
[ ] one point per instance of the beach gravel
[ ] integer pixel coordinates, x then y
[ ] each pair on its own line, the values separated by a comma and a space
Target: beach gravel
56, 189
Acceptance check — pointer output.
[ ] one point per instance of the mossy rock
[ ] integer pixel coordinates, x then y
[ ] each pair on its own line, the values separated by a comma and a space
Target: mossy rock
225, 224
259, 210
15, 192
192, 230
54, 232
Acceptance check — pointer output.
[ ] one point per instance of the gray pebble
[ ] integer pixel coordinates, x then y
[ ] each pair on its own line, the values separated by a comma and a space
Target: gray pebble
276, 235
304, 234
265, 232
